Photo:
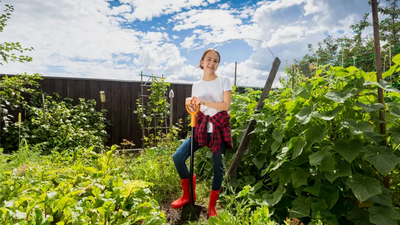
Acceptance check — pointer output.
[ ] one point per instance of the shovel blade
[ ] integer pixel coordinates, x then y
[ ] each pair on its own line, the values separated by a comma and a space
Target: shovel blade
190, 212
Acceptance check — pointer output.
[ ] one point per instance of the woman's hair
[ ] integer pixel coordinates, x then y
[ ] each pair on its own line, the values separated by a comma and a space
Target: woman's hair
205, 53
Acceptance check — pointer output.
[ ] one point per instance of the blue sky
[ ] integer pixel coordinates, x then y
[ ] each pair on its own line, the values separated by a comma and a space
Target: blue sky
118, 39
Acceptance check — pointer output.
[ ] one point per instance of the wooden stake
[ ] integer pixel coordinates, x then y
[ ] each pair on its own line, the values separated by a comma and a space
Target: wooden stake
246, 137
379, 74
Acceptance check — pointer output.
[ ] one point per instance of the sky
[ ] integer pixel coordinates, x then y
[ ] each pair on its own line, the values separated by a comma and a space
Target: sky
119, 39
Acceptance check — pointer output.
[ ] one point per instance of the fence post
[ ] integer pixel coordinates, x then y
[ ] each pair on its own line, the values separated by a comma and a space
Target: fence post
171, 107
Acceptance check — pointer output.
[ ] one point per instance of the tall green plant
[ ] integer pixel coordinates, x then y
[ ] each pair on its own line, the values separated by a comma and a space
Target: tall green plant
61, 126
319, 151
13, 91
152, 117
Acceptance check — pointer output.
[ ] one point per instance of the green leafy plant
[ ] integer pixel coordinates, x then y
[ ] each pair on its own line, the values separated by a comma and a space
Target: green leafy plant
316, 152
152, 117
65, 190
62, 126
13, 93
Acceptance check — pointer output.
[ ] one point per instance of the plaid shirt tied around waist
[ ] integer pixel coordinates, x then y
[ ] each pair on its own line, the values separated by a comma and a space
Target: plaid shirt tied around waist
221, 131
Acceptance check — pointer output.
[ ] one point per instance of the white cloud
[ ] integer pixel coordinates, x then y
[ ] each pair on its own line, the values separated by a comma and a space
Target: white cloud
215, 19
224, 6
287, 34
314, 6
120, 9
175, 37
188, 42
148, 9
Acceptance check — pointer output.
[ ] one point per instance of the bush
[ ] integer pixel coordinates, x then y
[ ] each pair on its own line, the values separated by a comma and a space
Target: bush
62, 126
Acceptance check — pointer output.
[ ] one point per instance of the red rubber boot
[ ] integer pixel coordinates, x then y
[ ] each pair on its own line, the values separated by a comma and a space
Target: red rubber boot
213, 202
179, 203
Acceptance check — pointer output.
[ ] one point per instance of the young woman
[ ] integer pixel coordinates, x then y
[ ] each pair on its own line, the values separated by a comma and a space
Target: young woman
213, 95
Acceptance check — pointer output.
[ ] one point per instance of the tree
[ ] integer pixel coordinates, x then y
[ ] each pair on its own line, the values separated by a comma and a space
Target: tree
13, 89
390, 27
8, 50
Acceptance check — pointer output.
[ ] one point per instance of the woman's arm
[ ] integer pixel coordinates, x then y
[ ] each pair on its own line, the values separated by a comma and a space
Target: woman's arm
225, 105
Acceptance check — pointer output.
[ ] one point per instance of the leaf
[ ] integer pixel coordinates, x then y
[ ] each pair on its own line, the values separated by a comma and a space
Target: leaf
270, 120
273, 199
331, 176
20, 215
285, 175
394, 108
314, 189
383, 84
275, 146
357, 127
300, 207
363, 187
327, 164
389, 72
297, 144
316, 158
349, 149
277, 135
329, 115
330, 194
299, 177
243, 192
318, 206
383, 215
370, 108
383, 198
259, 161
304, 115
394, 133
133, 186
315, 134
343, 170
338, 96
360, 217
396, 59
383, 159
375, 137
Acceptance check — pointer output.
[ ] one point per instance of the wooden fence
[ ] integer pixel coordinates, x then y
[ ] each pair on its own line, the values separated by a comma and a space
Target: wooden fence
121, 97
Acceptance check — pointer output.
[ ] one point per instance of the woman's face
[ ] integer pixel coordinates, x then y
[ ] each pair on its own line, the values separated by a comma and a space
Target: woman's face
210, 62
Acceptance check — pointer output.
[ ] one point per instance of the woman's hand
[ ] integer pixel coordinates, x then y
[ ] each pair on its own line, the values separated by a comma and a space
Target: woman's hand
197, 101
190, 103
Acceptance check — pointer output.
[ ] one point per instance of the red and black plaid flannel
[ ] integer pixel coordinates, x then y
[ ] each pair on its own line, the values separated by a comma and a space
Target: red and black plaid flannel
221, 131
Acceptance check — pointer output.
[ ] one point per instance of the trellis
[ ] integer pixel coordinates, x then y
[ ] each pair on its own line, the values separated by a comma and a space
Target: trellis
149, 127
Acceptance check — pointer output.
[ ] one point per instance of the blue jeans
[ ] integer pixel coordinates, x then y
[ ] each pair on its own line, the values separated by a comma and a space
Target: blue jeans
183, 153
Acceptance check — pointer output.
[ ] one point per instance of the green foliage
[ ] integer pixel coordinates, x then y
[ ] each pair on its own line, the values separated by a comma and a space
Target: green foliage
61, 126
153, 116
315, 153
260, 216
155, 165
13, 91
7, 50
76, 188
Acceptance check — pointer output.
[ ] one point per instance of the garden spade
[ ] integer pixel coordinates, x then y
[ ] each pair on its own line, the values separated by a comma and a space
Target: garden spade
190, 211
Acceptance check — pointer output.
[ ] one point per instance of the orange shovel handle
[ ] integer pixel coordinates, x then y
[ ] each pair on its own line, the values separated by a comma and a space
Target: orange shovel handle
192, 114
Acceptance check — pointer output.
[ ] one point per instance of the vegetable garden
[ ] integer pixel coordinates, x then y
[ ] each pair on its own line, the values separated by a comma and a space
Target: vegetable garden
317, 156
314, 157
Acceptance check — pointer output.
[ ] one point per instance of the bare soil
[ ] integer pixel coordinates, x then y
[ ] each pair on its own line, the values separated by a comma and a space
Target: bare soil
173, 215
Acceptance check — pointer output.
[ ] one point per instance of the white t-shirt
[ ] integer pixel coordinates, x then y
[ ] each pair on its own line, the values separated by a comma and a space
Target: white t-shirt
211, 91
